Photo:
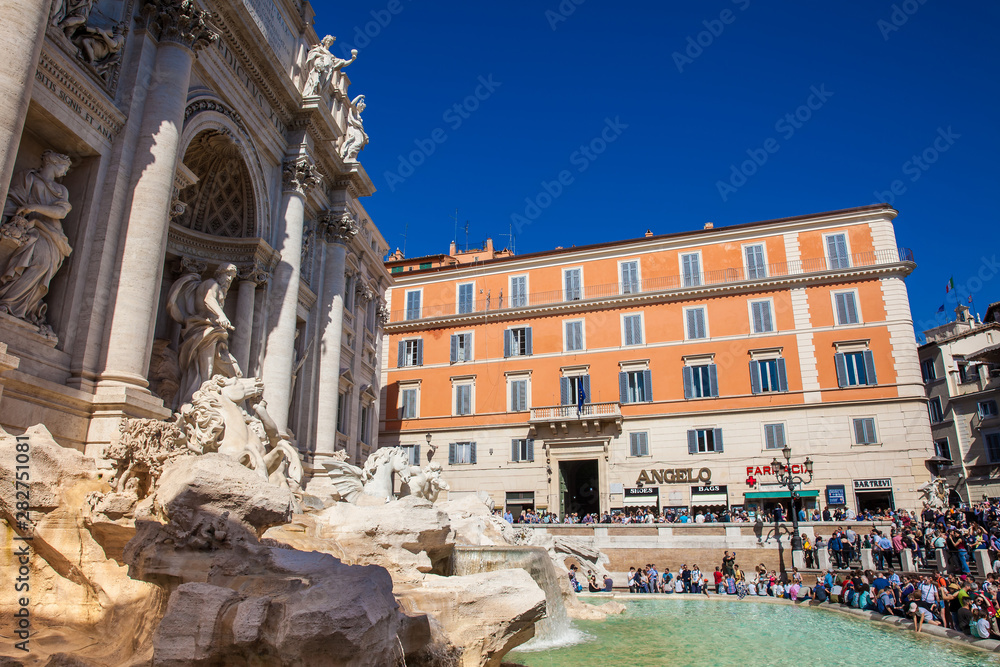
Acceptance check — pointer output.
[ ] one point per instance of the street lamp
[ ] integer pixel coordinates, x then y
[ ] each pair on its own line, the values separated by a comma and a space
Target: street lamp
783, 473
430, 449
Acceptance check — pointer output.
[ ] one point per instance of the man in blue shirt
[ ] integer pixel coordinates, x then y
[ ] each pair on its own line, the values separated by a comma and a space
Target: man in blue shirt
884, 549
835, 550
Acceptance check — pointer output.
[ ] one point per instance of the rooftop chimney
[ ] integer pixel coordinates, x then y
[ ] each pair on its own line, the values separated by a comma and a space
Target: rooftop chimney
709, 225
649, 232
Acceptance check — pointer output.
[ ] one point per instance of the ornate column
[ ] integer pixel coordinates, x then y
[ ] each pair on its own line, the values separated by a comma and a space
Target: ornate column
245, 298
21, 42
337, 233
182, 31
298, 177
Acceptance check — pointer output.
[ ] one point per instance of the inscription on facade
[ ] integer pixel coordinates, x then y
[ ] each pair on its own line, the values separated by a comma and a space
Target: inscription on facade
674, 476
63, 87
272, 24
256, 93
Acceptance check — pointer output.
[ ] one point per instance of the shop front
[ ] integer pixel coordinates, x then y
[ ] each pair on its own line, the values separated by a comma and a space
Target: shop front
709, 498
642, 496
767, 500
518, 501
874, 494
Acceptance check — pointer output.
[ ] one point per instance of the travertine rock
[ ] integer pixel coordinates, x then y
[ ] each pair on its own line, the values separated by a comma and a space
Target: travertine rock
213, 484
485, 614
407, 537
78, 592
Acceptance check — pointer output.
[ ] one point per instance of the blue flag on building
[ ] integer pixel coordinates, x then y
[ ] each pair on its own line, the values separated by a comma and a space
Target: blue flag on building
581, 398
941, 309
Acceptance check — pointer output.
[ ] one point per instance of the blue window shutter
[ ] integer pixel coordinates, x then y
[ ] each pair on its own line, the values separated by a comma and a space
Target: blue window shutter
840, 359
563, 391
688, 373
451, 453
506, 343
647, 384
782, 376
527, 345
420, 352
870, 367
531, 449
755, 377
400, 354
454, 348
586, 388
758, 317
472, 453
513, 449
713, 380
718, 439
416, 454
623, 387
692, 442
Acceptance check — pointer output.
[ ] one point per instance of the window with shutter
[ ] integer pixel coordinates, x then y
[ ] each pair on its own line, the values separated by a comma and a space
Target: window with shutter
518, 291
518, 395
760, 315
636, 386
413, 305
864, 431
696, 326
573, 281
463, 399
855, 368
993, 447
847, 308
691, 269
701, 381
632, 325
574, 336
465, 298
774, 436
639, 444
630, 277
836, 249
409, 403
705, 440
934, 410
928, 370
755, 262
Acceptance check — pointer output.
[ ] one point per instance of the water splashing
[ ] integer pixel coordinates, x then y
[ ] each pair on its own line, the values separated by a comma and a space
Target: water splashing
555, 629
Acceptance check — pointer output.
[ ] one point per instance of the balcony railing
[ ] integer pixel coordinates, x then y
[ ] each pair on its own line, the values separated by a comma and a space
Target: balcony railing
566, 412
653, 284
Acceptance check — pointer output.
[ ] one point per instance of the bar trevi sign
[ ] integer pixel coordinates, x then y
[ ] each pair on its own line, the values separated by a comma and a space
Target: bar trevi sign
674, 476
871, 484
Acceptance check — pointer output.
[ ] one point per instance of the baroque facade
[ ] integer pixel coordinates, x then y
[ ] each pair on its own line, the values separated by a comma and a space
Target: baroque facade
182, 200
666, 370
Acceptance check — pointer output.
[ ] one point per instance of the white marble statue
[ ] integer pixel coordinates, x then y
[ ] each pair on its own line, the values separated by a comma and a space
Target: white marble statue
356, 138
425, 482
33, 214
215, 421
321, 64
100, 48
204, 350
70, 14
379, 469
935, 493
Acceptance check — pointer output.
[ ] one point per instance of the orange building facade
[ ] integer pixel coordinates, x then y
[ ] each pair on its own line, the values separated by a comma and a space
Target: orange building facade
667, 370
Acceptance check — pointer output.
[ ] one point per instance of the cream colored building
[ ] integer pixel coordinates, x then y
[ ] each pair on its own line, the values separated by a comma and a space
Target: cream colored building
199, 134
963, 392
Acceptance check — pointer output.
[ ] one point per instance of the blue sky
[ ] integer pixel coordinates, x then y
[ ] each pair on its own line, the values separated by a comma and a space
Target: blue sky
670, 97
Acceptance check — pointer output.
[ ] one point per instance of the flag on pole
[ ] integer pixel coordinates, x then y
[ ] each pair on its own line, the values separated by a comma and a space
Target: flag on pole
970, 298
580, 399
941, 309
950, 286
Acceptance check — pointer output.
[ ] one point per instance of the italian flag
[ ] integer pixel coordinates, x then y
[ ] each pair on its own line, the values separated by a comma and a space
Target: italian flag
950, 286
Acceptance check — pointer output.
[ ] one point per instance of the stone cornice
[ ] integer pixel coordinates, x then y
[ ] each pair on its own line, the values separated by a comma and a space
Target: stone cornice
662, 296
252, 256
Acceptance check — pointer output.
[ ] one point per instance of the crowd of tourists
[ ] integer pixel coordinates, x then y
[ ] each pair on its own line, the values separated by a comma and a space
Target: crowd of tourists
653, 514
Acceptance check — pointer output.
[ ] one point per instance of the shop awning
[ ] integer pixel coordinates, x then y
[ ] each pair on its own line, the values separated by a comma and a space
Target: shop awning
759, 495
709, 499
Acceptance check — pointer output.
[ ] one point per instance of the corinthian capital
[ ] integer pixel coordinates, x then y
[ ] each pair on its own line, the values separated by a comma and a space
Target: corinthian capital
338, 229
179, 21
300, 175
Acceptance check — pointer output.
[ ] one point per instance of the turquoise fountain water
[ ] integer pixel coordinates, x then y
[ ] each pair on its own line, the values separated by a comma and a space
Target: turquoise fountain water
706, 633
